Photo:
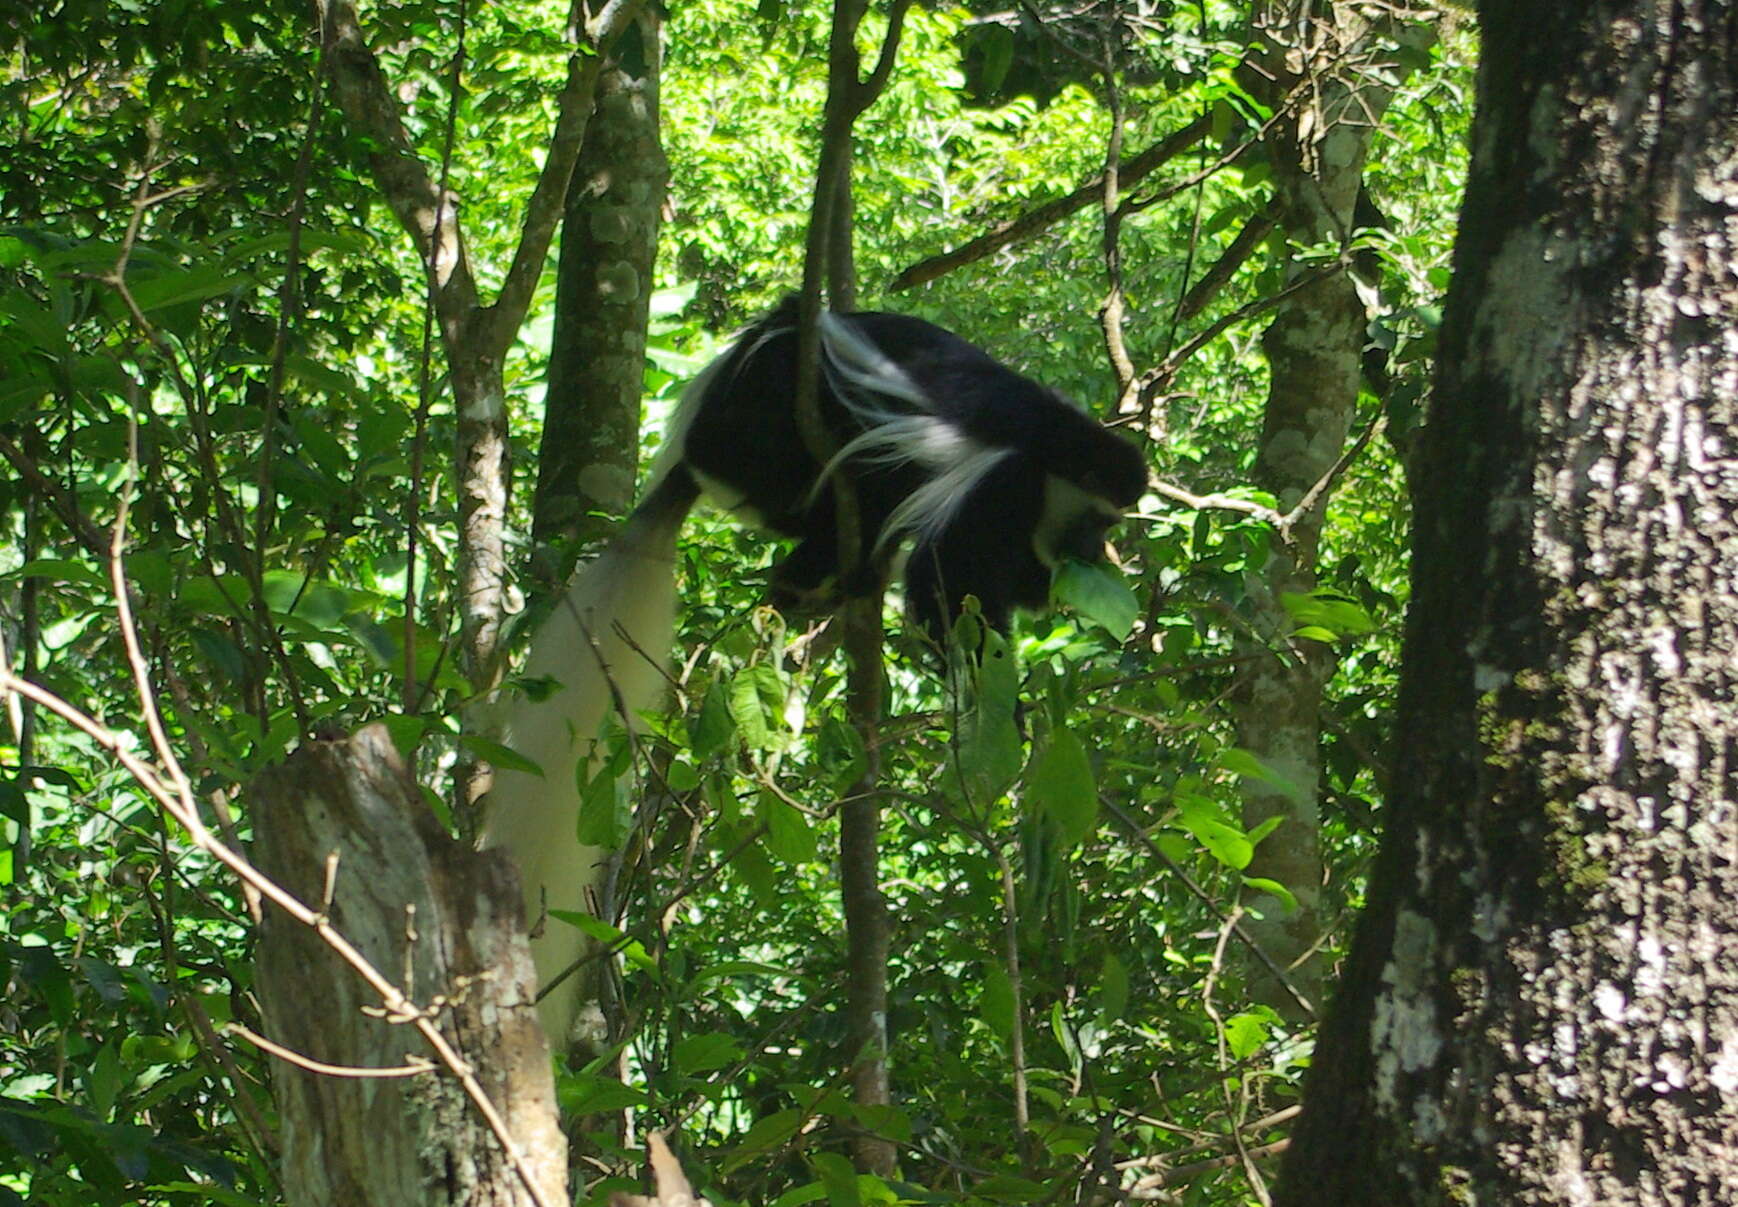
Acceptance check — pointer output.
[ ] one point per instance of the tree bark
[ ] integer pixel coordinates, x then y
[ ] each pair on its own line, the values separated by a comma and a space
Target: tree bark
829, 260
343, 823
589, 450
1313, 346
1541, 1005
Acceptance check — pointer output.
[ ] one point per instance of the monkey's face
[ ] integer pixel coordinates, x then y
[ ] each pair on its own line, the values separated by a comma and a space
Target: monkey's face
1073, 523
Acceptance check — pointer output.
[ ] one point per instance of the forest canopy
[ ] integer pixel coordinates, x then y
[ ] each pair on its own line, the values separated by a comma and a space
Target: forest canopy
331, 339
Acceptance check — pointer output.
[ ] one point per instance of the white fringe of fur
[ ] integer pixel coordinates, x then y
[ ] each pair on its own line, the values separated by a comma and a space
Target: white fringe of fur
954, 463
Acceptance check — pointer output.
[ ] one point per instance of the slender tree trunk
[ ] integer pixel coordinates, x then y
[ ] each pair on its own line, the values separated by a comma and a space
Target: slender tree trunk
829, 261
589, 450
342, 823
1541, 1006
1313, 347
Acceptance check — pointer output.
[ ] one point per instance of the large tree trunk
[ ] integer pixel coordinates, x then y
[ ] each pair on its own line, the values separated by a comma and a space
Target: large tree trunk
589, 450
1542, 1001
1314, 346
343, 823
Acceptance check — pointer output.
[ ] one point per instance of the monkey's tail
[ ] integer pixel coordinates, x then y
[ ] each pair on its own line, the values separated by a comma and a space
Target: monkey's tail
606, 645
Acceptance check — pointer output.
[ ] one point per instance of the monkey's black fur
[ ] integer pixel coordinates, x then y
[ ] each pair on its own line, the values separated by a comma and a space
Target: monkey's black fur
995, 477
992, 477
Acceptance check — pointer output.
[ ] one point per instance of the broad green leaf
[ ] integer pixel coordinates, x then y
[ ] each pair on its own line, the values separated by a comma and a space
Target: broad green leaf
606, 808
1225, 843
711, 727
1245, 763
54, 570
987, 757
499, 755
1113, 987
1287, 899
1100, 593
1061, 785
1174, 846
796, 1196
192, 285
696, 1054
611, 937
681, 776
594, 1094
757, 699
838, 1177
1244, 1033
769, 1131
788, 836
407, 731
996, 1002
1327, 610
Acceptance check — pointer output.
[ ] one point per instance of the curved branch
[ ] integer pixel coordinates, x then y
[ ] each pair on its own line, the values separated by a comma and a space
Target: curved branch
1031, 223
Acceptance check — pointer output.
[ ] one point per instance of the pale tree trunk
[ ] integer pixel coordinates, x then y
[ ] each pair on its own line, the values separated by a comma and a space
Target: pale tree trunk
829, 261
344, 828
589, 451
1314, 347
475, 335
1541, 1005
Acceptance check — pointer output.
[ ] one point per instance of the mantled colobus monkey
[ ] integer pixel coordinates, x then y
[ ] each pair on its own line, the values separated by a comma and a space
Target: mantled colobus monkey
993, 478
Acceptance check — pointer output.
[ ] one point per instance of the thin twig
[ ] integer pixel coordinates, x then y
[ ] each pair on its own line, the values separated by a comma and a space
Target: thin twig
1235, 925
416, 1068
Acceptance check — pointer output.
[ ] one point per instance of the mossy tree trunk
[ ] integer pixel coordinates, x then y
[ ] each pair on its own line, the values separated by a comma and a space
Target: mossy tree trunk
1541, 1005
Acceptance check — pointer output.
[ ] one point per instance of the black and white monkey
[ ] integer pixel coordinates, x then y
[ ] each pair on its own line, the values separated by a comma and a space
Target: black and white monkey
993, 479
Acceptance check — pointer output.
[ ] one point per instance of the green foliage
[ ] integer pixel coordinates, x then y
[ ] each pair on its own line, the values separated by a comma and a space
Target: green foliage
259, 411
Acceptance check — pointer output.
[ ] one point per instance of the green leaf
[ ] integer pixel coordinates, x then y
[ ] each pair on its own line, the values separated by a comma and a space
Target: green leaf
1244, 1033
54, 570
1061, 785
1175, 847
1245, 763
594, 1094
768, 1132
1264, 829
611, 937
1327, 610
696, 1054
1225, 843
712, 726
757, 700
681, 776
1287, 899
192, 285
996, 1004
1100, 593
205, 1192
838, 1177
788, 836
987, 751
606, 808
407, 732
499, 755
1113, 986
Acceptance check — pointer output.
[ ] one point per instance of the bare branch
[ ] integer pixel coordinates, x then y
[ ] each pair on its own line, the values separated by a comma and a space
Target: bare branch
1034, 221
543, 211
1215, 278
1325, 483
58, 496
870, 87
415, 200
1160, 376
418, 1066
